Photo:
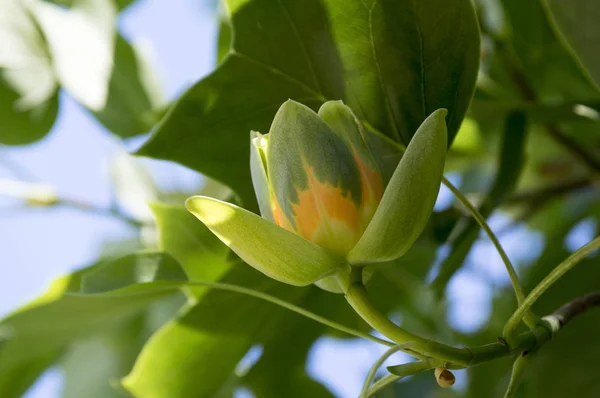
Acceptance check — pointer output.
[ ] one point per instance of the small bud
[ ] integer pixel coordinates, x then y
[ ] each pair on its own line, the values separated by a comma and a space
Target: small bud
444, 377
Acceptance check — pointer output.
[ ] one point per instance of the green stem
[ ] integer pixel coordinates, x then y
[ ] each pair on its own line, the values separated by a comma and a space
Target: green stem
530, 318
376, 366
357, 297
294, 308
401, 371
382, 383
515, 377
548, 281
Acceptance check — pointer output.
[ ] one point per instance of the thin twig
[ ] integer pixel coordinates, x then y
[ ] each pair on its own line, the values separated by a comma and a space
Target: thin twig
556, 320
576, 307
99, 211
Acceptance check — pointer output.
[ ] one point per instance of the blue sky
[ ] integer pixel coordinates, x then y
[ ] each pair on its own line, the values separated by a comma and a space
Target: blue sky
37, 245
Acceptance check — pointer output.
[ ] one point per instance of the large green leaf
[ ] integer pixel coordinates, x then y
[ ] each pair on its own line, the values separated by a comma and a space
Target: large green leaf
50, 323
16, 380
578, 23
393, 64
196, 353
276, 375
113, 355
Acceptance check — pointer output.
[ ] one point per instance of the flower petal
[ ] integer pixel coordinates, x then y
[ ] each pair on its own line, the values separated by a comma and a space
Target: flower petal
277, 253
315, 179
258, 170
409, 197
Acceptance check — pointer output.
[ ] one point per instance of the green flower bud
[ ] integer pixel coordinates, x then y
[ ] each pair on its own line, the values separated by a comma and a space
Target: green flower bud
322, 196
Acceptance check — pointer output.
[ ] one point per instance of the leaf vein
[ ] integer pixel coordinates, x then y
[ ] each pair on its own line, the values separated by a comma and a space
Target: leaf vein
317, 95
388, 103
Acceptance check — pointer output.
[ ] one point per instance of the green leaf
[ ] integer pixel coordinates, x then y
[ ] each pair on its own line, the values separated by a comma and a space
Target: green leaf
409, 197
113, 356
28, 88
536, 41
201, 254
50, 323
276, 375
224, 39
131, 269
577, 22
208, 339
393, 65
135, 100
24, 125
274, 251
97, 66
16, 380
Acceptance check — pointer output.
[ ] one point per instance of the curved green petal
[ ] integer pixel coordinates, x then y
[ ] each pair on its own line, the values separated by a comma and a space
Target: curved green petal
258, 171
342, 121
272, 250
315, 179
409, 197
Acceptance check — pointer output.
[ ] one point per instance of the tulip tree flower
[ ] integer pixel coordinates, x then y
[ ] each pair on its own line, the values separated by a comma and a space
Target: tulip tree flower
322, 199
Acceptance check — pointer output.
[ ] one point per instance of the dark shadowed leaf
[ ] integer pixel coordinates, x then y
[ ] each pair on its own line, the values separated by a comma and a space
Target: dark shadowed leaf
393, 65
577, 20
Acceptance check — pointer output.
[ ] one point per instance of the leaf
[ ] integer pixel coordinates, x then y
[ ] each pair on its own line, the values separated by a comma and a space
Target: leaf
577, 22
135, 100
208, 339
274, 251
97, 66
24, 126
409, 197
224, 39
113, 356
28, 89
393, 65
201, 254
536, 41
16, 380
80, 41
276, 375
50, 323
131, 269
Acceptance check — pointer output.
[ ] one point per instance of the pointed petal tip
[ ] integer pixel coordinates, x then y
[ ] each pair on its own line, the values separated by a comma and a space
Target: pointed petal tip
332, 106
194, 203
442, 111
